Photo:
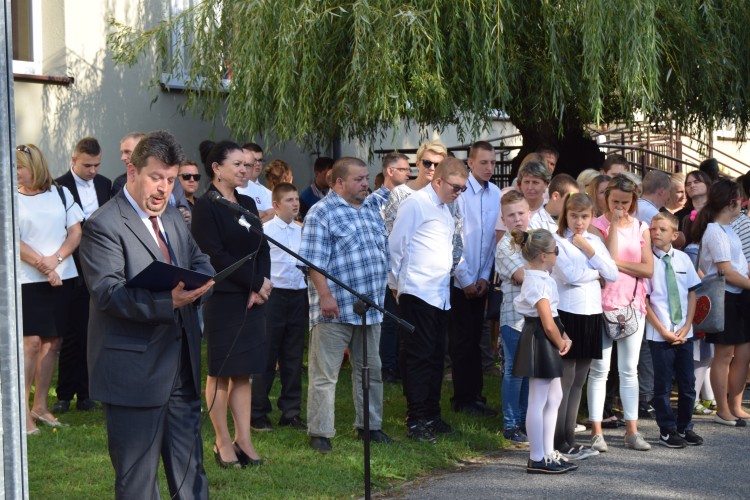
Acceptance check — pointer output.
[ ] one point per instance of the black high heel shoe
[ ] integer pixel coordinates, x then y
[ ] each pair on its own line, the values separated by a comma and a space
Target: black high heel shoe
225, 465
244, 458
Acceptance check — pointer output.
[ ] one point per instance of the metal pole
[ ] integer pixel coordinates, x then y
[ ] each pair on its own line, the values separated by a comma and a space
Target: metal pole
14, 479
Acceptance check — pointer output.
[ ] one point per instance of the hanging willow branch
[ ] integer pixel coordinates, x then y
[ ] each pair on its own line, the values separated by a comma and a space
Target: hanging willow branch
318, 70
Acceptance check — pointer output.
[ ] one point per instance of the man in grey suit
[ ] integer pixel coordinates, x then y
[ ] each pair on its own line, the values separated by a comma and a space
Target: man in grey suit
144, 346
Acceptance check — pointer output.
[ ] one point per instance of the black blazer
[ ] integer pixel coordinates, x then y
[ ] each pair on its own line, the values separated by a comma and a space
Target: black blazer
220, 236
102, 185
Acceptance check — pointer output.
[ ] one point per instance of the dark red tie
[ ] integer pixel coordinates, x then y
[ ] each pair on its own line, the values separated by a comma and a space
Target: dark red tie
160, 239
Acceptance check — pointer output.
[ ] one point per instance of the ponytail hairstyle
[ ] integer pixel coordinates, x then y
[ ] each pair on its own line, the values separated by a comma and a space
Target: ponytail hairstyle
720, 195
532, 243
577, 202
215, 152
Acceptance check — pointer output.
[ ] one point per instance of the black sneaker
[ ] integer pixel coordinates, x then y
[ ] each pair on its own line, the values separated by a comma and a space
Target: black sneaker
418, 432
295, 423
87, 404
438, 426
476, 409
672, 440
261, 424
545, 466
646, 411
516, 435
691, 438
377, 436
321, 444
61, 406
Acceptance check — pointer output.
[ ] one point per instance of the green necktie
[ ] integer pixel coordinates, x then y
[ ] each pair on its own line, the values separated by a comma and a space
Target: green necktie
675, 308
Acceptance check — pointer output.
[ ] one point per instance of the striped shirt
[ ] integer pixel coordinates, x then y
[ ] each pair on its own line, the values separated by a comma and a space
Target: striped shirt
507, 262
741, 226
352, 245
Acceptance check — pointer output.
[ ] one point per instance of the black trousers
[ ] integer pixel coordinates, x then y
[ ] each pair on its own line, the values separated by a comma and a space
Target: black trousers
389, 335
464, 338
286, 322
421, 357
73, 375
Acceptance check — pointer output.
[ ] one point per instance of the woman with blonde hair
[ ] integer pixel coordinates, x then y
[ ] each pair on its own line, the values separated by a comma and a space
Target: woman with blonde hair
276, 172
597, 188
50, 231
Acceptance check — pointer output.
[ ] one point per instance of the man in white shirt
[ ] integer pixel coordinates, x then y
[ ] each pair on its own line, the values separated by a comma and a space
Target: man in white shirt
286, 318
559, 188
656, 187
260, 194
90, 190
421, 245
480, 205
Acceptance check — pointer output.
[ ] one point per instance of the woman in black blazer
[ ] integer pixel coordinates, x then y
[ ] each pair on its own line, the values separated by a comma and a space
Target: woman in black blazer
233, 315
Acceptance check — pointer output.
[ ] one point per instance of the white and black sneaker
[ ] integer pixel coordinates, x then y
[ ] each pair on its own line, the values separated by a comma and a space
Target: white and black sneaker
690, 438
580, 452
672, 440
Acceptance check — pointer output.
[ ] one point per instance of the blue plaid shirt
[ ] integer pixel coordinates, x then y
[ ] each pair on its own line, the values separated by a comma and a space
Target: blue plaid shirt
352, 245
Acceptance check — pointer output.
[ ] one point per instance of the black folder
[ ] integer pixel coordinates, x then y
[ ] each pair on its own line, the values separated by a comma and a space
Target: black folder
160, 276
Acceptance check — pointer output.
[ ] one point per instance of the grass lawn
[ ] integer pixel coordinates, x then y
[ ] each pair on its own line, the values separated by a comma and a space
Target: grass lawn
73, 462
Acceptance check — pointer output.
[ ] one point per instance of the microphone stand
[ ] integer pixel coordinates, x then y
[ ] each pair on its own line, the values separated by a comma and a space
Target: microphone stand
363, 304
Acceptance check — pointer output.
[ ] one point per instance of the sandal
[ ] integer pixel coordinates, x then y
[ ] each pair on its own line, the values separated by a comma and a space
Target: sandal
46, 421
699, 409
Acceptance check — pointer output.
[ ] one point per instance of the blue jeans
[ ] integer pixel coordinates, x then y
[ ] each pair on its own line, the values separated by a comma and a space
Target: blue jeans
515, 390
674, 361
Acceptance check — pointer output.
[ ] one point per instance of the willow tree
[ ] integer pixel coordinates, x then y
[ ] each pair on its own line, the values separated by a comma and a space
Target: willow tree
318, 70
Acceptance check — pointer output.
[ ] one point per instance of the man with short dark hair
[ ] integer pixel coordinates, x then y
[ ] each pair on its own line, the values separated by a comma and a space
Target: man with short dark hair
261, 195
656, 189
90, 190
613, 165
344, 234
144, 345
319, 186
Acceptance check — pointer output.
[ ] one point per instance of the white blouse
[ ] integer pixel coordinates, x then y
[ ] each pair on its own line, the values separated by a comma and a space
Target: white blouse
43, 225
537, 285
577, 276
721, 244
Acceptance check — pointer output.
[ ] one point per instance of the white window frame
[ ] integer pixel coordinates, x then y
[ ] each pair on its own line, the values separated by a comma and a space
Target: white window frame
33, 67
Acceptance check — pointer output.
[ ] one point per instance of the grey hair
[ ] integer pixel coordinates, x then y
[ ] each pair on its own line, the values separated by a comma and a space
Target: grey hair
534, 169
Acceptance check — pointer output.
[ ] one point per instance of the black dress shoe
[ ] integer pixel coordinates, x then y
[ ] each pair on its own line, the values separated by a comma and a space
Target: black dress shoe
476, 409
375, 436
61, 406
321, 444
235, 464
87, 404
244, 459
261, 424
295, 423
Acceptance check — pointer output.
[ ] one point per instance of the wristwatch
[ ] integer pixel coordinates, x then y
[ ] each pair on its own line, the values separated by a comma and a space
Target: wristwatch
59, 258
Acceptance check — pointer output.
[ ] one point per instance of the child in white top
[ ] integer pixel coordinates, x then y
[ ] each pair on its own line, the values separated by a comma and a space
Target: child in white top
540, 348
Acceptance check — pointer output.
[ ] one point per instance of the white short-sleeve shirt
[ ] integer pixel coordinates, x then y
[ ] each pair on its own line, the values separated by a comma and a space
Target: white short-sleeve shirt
537, 285
721, 244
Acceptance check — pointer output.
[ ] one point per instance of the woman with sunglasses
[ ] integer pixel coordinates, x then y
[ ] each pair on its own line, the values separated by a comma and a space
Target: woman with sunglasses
50, 230
629, 243
721, 253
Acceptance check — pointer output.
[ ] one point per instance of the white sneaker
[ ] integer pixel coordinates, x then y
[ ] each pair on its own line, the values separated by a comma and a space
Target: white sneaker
598, 443
636, 442
580, 428
580, 452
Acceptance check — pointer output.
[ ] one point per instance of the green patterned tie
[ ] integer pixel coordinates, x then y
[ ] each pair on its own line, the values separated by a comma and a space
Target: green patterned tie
675, 308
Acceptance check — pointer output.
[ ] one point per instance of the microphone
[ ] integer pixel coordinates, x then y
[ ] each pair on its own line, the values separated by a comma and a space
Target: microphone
218, 199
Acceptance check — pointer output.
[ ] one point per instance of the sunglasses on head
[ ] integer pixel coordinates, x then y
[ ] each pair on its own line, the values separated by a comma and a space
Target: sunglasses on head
24, 149
187, 177
430, 163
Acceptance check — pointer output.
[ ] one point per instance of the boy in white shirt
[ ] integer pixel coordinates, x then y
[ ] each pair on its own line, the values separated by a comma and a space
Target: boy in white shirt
670, 306
286, 318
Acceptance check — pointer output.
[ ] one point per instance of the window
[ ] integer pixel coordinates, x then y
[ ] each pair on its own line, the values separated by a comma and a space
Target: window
27, 36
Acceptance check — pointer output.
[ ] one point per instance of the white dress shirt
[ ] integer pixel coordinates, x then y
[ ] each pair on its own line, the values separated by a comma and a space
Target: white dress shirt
479, 204
421, 245
87, 193
260, 194
577, 276
284, 271
656, 291
543, 220
646, 210
537, 285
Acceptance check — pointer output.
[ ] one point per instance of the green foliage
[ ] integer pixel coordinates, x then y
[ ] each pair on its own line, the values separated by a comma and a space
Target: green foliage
317, 70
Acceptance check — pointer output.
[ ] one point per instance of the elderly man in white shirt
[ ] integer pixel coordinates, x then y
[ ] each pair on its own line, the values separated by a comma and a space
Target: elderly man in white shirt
421, 245
480, 205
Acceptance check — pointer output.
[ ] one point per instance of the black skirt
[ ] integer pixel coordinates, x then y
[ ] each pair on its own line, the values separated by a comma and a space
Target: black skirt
736, 327
46, 308
585, 330
536, 356
235, 336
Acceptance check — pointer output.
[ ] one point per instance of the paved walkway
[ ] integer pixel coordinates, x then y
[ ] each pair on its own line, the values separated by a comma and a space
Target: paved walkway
718, 469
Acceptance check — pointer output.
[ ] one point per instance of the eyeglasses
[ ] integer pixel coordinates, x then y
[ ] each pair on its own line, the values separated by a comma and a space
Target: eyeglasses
187, 177
733, 200
24, 149
556, 251
430, 163
457, 188
260, 162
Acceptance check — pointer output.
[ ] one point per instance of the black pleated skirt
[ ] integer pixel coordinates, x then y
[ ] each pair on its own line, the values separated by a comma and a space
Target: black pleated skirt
585, 330
536, 356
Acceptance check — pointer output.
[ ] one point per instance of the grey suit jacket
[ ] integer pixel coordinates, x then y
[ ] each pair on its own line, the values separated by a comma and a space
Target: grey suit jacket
134, 334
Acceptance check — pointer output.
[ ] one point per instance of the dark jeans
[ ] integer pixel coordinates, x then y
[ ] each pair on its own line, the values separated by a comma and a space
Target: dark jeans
286, 322
645, 374
673, 361
421, 357
389, 335
464, 337
73, 375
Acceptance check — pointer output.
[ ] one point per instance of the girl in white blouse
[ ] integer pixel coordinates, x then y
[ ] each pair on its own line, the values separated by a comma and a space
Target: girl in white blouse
581, 266
542, 343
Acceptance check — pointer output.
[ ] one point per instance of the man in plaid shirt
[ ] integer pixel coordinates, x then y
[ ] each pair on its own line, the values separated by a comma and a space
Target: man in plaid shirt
344, 234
